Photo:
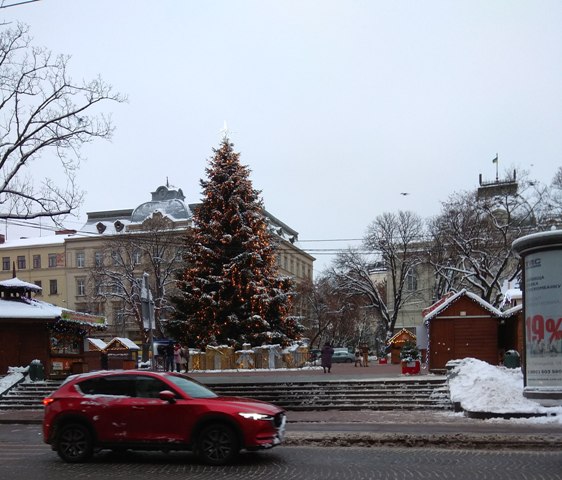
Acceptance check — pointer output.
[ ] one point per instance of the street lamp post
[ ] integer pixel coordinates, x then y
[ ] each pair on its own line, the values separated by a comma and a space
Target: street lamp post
147, 308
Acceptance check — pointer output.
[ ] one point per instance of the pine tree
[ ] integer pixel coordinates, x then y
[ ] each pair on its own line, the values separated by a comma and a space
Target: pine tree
230, 290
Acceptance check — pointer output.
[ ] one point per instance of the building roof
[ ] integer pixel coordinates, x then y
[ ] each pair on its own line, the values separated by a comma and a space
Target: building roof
122, 343
402, 333
97, 343
165, 200
17, 284
441, 305
28, 309
35, 241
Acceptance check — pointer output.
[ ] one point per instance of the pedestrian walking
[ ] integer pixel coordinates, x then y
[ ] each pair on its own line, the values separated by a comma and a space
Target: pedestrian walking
326, 357
358, 358
365, 353
178, 357
169, 357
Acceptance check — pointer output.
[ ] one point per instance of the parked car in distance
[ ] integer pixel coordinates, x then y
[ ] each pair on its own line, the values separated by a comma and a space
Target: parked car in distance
342, 356
144, 410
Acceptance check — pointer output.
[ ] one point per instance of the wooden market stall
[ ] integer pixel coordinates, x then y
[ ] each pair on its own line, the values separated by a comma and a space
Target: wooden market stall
23, 325
35, 330
94, 350
122, 353
397, 342
462, 325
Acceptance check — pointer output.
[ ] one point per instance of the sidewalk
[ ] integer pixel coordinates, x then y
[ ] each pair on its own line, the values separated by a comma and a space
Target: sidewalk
372, 427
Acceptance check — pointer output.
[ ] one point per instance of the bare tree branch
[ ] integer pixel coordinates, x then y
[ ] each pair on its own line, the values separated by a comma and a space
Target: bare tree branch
44, 115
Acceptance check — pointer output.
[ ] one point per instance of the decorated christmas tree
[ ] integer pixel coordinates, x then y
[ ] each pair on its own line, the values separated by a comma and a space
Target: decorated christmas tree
230, 289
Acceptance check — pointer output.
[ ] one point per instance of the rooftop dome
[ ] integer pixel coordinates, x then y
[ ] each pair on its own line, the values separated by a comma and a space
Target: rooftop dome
166, 201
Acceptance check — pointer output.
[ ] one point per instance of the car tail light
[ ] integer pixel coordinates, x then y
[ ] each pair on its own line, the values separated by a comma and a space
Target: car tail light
48, 401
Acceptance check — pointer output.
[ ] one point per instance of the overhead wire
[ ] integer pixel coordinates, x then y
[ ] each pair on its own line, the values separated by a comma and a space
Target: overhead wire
33, 224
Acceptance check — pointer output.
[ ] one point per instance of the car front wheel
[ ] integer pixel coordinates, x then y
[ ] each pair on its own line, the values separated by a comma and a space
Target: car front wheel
217, 444
75, 444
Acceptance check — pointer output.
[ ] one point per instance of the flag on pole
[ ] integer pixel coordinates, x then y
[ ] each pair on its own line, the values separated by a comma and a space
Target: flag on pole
495, 160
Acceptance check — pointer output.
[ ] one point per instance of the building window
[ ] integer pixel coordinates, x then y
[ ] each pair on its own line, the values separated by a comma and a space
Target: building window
53, 287
36, 261
52, 260
98, 259
80, 287
80, 259
116, 258
40, 285
5, 263
412, 280
21, 262
137, 257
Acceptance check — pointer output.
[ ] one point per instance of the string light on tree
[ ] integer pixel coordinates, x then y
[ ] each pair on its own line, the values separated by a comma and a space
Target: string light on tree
230, 260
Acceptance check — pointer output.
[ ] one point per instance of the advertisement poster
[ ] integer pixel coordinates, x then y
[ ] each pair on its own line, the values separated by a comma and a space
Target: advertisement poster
543, 312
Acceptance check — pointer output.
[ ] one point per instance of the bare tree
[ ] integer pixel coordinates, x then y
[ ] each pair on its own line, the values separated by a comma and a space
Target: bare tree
395, 243
335, 317
472, 237
44, 116
555, 194
155, 248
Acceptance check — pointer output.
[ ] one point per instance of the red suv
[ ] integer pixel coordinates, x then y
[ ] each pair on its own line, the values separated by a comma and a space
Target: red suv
132, 409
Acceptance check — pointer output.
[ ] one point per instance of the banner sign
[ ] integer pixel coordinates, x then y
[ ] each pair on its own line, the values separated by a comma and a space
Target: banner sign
543, 318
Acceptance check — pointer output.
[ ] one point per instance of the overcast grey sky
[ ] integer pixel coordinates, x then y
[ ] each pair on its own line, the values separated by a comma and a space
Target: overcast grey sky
336, 106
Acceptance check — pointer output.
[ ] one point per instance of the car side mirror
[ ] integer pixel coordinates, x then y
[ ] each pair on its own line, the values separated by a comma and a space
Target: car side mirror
167, 396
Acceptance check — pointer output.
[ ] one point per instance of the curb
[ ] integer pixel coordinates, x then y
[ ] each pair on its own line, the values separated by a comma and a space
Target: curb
408, 440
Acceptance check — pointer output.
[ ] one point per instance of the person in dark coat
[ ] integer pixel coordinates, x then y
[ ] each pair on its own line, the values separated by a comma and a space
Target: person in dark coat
104, 359
326, 357
169, 367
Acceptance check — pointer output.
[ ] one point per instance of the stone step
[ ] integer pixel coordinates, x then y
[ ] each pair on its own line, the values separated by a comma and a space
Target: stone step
345, 395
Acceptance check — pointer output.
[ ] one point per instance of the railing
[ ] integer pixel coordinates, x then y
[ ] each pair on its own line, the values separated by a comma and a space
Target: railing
227, 359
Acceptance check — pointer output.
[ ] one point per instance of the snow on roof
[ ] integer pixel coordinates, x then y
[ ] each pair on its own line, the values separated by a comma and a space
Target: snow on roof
98, 343
511, 311
28, 309
453, 298
125, 342
16, 283
35, 241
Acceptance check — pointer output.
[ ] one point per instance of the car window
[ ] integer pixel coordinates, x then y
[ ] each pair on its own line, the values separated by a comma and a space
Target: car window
149, 387
122, 386
190, 387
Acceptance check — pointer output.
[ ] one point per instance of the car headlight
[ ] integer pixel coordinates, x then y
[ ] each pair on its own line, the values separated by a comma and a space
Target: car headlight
256, 416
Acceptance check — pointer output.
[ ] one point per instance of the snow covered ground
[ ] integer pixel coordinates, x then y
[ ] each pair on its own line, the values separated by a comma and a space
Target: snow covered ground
481, 387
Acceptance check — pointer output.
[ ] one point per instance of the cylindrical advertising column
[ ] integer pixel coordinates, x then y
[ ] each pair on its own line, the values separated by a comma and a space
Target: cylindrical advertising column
542, 301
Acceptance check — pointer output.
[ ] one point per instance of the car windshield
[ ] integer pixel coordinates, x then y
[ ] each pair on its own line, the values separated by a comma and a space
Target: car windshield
191, 387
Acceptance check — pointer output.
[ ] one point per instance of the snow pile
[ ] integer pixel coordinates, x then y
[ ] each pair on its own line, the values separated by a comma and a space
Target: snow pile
15, 375
481, 387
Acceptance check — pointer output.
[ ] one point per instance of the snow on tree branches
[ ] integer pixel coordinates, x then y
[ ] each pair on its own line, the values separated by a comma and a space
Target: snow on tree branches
230, 290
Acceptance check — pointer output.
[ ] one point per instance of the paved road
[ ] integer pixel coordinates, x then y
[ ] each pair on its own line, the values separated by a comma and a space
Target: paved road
24, 456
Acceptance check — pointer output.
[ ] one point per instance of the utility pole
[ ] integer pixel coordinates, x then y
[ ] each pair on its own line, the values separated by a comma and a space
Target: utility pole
147, 308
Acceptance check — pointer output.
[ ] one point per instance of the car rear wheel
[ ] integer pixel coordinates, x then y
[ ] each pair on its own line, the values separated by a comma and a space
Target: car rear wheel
217, 444
75, 444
